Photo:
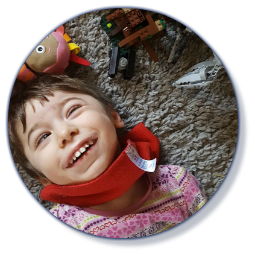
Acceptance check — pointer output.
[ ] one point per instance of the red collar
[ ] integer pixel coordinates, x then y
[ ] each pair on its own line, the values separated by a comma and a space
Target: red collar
115, 181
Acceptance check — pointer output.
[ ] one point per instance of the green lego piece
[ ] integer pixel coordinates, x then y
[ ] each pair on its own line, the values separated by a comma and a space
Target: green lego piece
109, 25
104, 24
163, 24
115, 43
113, 39
123, 52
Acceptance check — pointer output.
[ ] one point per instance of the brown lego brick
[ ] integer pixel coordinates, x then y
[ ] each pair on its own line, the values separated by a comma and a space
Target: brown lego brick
149, 19
158, 35
143, 33
126, 31
150, 51
152, 28
128, 24
129, 39
117, 14
121, 24
140, 15
135, 17
133, 42
119, 21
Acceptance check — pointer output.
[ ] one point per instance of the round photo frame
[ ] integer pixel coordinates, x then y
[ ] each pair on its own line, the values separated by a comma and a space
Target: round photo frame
213, 205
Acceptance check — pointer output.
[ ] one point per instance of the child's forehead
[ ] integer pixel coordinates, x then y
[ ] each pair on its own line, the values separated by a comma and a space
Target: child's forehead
59, 97
56, 101
36, 108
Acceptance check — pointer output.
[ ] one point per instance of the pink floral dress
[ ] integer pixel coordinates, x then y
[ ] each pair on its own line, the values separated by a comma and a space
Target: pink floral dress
176, 195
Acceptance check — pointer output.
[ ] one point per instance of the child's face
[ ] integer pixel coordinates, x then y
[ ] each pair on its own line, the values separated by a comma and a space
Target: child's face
58, 131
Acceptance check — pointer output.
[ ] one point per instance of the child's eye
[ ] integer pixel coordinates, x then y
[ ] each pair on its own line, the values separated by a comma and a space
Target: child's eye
72, 109
41, 138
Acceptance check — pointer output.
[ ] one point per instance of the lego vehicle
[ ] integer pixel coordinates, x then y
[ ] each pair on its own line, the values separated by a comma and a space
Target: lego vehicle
201, 74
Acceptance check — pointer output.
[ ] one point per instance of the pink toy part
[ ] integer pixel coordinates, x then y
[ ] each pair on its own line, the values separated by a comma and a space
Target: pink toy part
63, 54
60, 30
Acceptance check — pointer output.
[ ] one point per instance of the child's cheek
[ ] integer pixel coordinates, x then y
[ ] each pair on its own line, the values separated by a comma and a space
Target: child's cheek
46, 159
94, 119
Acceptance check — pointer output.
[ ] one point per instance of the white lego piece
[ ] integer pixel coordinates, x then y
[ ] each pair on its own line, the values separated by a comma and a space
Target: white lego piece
122, 63
201, 74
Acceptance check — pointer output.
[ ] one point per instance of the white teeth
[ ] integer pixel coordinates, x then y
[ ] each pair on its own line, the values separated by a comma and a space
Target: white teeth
77, 154
82, 149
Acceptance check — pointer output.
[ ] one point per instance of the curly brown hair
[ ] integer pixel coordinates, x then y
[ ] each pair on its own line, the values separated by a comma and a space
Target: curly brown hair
40, 89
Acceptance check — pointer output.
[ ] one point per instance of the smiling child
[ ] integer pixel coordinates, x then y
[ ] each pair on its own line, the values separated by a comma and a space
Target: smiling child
63, 132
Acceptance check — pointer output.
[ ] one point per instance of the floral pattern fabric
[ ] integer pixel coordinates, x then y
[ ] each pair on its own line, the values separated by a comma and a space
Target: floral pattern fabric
176, 195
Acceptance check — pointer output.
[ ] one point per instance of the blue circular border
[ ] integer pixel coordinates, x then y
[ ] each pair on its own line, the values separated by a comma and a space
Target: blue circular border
213, 204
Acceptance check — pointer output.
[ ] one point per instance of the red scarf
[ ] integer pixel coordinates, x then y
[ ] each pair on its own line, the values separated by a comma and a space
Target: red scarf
115, 181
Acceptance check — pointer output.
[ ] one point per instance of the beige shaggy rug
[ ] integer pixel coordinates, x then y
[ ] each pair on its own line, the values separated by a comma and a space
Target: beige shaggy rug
197, 127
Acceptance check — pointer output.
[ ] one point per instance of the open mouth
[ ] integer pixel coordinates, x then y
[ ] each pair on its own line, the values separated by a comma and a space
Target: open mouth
82, 152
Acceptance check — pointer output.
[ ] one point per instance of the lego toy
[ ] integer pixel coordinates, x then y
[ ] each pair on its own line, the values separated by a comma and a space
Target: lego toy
51, 56
144, 33
201, 74
114, 62
181, 33
127, 28
122, 63
177, 40
129, 71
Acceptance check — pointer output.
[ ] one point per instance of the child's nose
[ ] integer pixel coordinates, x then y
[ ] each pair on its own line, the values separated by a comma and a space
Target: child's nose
66, 133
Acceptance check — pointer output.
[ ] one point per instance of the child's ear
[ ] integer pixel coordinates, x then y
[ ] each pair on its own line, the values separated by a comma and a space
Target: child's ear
116, 119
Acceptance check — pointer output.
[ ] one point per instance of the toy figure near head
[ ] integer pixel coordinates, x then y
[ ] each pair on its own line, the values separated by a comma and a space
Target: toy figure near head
51, 56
